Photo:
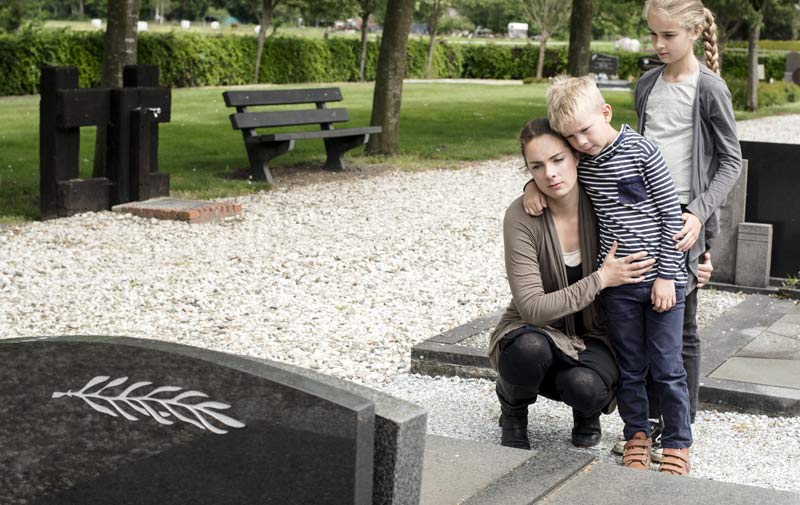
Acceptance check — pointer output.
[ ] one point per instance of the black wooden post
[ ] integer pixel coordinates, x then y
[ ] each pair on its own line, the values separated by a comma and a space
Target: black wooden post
58, 147
146, 183
126, 161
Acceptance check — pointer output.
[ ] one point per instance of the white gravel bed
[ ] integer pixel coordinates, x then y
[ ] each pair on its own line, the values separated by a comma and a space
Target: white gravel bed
340, 277
746, 449
778, 129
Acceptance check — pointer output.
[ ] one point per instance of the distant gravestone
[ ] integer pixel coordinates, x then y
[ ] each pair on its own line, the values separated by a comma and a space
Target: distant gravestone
604, 64
792, 73
645, 63
87, 422
731, 214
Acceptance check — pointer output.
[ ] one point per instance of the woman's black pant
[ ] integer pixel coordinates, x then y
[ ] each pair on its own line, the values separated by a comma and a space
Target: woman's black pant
529, 365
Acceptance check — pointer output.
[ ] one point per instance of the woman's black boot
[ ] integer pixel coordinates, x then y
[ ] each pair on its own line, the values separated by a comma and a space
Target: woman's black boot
515, 431
586, 431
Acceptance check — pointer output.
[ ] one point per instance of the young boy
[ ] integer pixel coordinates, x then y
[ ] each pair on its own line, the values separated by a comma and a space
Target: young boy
637, 207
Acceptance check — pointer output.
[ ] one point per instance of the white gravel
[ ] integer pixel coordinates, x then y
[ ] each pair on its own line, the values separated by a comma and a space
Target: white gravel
342, 277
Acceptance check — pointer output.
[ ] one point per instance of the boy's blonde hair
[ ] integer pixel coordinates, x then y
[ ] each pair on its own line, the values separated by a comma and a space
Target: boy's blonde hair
570, 97
690, 14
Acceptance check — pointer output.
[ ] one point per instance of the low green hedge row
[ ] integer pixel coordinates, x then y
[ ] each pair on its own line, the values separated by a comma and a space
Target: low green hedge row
768, 45
201, 60
769, 94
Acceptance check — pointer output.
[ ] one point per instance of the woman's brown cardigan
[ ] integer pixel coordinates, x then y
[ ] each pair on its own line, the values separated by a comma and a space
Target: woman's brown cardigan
537, 276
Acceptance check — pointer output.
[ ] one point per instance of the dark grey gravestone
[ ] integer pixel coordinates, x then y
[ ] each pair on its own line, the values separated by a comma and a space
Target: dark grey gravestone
604, 64
95, 421
399, 440
792, 65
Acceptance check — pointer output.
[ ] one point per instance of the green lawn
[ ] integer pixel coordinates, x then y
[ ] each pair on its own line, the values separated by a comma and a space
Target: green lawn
441, 124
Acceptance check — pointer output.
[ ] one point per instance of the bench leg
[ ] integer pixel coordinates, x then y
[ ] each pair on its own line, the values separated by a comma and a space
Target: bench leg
336, 147
261, 154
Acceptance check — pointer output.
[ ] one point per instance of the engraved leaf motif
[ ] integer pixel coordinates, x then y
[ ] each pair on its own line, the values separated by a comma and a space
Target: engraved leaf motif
149, 405
94, 382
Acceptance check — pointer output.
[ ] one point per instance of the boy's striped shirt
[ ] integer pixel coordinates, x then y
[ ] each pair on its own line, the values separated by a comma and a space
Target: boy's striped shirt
636, 203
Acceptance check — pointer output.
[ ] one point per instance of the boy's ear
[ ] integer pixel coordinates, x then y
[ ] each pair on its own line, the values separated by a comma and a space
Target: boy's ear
607, 112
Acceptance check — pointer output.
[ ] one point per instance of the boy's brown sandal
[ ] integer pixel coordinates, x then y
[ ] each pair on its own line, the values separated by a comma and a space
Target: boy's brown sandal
636, 453
675, 461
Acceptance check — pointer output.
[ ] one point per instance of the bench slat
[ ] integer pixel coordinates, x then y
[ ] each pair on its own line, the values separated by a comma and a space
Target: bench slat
281, 97
243, 120
321, 134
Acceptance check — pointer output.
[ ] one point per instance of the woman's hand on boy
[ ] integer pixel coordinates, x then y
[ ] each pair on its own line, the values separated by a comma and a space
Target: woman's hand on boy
618, 271
662, 295
689, 233
534, 201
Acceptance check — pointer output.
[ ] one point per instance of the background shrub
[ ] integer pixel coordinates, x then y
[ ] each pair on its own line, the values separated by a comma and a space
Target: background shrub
769, 94
187, 59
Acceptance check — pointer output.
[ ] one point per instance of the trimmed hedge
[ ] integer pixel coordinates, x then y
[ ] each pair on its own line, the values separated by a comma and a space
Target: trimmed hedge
769, 94
201, 60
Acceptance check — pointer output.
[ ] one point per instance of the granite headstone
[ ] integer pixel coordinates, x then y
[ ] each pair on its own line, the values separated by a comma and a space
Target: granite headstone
604, 64
792, 66
95, 421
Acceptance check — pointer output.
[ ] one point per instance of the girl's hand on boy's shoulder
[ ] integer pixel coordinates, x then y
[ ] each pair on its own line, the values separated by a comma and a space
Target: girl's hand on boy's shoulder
662, 296
689, 233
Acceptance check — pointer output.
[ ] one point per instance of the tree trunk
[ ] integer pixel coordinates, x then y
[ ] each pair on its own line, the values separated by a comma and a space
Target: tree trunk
266, 20
119, 49
754, 33
542, 52
389, 79
362, 60
80, 8
432, 28
580, 38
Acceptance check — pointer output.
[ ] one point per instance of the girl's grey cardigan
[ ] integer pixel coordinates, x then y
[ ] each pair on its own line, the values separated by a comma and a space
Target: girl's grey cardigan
716, 155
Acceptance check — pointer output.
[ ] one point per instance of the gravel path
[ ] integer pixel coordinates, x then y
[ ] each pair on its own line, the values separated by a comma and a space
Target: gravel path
342, 277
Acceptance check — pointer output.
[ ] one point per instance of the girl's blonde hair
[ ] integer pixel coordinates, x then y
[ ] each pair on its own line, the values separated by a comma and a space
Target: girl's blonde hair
691, 14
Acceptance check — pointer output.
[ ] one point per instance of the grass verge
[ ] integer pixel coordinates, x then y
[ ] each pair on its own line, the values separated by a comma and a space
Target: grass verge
442, 126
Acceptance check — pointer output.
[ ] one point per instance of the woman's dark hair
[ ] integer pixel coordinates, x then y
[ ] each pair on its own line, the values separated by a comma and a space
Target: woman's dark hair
535, 128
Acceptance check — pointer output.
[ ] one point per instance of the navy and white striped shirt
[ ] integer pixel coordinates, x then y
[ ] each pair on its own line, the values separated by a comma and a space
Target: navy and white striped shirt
636, 203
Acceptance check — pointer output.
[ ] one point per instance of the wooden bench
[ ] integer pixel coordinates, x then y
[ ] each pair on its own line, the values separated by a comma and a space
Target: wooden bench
262, 148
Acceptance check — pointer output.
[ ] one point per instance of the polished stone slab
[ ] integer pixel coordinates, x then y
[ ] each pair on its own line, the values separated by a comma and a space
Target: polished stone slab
91, 421
769, 372
399, 439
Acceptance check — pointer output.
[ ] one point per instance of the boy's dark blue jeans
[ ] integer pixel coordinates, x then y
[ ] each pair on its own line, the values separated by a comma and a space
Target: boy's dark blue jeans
648, 340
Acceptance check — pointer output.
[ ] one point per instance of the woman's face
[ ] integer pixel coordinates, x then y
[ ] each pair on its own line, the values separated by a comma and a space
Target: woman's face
553, 165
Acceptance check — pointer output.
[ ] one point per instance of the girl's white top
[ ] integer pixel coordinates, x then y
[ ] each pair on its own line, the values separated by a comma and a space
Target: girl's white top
668, 116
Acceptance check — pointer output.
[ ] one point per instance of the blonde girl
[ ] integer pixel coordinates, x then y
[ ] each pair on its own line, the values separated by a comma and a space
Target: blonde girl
685, 107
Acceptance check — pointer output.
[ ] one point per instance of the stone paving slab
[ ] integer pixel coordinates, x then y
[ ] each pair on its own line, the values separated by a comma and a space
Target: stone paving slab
606, 484
476, 473
768, 372
770, 345
176, 209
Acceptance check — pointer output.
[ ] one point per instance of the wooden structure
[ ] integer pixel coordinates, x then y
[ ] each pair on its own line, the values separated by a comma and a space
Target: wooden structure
262, 148
131, 115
